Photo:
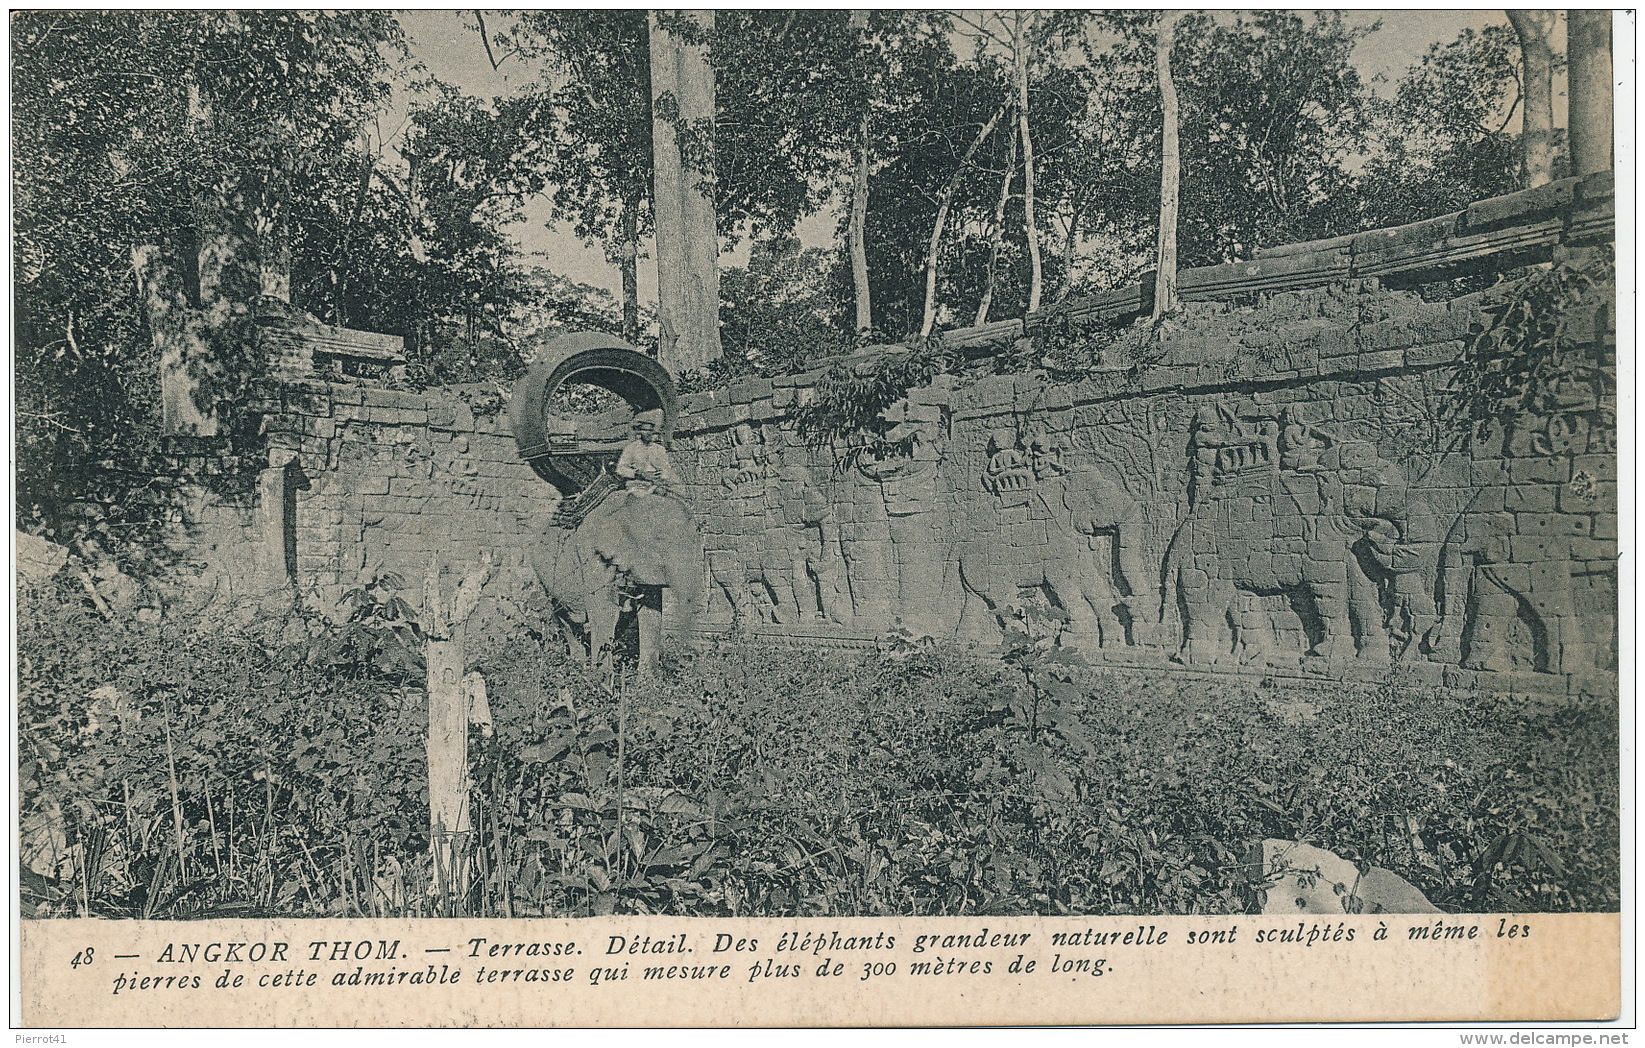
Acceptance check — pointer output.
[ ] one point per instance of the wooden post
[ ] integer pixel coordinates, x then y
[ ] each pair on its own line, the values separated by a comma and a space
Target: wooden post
444, 621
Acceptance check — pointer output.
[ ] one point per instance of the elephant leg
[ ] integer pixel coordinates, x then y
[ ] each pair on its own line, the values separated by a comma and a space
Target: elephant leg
1205, 601
1366, 617
1569, 647
1141, 604
807, 605
1445, 637
1492, 641
833, 584
722, 583
1325, 574
1073, 593
979, 617
573, 638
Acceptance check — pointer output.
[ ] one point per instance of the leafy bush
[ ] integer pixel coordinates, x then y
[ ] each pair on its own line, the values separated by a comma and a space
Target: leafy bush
181, 769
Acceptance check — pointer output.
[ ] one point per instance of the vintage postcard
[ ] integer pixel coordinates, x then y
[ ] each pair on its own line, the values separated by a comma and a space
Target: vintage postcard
596, 518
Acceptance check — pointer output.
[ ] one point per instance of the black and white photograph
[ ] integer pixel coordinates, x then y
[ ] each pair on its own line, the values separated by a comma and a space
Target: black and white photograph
1064, 470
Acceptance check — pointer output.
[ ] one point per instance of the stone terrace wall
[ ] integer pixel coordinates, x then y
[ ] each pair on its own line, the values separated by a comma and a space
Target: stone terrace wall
1279, 490
379, 480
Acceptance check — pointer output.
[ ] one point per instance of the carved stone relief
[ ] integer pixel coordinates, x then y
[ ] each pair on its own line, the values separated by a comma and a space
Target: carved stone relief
1287, 510
1063, 527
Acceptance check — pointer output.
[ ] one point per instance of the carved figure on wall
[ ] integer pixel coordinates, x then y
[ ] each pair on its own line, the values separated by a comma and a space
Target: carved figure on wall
1501, 616
792, 571
819, 581
748, 458
1008, 476
1093, 565
1046, 454
1114, 528
909, 495
1577, 418
1294, 513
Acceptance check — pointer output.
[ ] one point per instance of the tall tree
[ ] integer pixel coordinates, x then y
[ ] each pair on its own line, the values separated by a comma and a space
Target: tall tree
857, 223
1589, 47
1165, 281
1442, 141
996, 239
682, 111
945, 203
194, 134
1534, 28
595, 89
1023, 43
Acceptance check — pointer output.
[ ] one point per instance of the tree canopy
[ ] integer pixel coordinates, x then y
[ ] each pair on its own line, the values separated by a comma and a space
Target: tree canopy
175, 168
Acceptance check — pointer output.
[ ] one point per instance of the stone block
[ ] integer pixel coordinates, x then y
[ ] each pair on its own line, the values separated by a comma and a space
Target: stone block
366, 484
1593, 550
307, 403
1333, 342
1383, 335
413, 487
1553, 469
1359, 454
1534, 549
1532, 498
393, 398
1427, 352
1327, 564
1519, 206
1604, 526
1552, 523
1599, 467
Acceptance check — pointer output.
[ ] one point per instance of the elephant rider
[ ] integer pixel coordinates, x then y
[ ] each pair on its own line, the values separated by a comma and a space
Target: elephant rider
644, 464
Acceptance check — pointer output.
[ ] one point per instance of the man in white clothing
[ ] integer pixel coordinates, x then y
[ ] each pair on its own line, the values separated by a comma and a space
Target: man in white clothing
644, 462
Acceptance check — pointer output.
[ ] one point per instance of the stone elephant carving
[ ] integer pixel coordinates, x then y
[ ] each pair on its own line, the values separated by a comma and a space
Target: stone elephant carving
1332, 530
629, 540
1091, 562
1501, 616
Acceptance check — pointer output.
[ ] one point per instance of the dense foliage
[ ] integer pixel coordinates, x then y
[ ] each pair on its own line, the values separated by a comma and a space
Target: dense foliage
392, 202
182, 770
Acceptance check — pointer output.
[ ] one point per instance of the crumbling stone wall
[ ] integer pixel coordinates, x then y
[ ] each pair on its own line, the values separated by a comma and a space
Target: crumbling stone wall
1279, 489
1282, 490
385, 481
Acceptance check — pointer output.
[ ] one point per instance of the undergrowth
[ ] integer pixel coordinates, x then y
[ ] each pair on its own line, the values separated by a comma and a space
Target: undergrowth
184, 770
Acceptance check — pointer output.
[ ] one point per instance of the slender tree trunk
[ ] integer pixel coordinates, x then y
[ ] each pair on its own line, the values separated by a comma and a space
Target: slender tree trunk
1537, 62
997, 236
1068, 241
857, 225
945, 201
1023, 56
688, 276
629, 263
1165, 277
858, 234
1588, 46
